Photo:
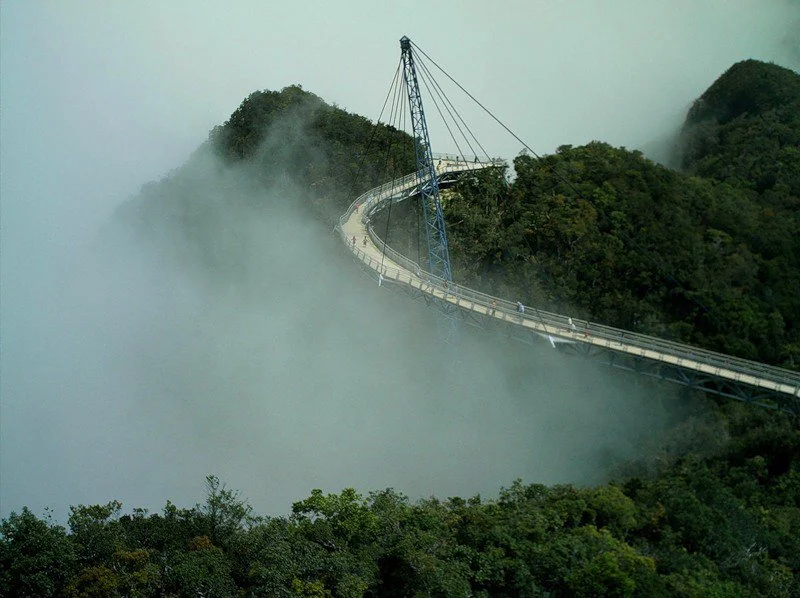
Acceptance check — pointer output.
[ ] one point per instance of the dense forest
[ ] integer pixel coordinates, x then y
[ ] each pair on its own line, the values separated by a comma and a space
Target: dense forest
328, 153
708, 253
280, 150
292, 140
722, 520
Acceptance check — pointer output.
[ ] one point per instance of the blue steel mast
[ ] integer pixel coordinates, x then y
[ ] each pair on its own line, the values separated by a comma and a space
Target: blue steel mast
438, 255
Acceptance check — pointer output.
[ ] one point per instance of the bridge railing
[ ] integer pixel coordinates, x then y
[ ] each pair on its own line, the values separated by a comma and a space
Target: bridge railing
370, 199
466, 162
558, 327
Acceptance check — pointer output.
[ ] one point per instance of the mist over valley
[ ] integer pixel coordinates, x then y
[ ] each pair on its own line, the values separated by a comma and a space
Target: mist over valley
175, 304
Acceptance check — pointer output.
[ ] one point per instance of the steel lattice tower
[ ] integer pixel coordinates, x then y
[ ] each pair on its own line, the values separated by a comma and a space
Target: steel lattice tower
436, 236
438, 255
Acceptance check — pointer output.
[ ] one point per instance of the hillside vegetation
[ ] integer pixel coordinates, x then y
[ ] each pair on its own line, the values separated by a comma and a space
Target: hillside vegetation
710, 255
723, 520
329, 154
280, 150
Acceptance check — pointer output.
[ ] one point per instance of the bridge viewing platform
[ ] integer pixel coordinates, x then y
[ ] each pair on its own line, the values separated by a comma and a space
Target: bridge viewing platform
741, 379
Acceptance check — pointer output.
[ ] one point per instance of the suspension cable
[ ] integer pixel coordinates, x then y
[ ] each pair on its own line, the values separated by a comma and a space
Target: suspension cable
436, 104
566, 181
447, 102
394, 118
363, 159
472, 97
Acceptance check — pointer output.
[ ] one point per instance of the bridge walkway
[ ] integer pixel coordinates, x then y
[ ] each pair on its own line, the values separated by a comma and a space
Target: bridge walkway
389, 266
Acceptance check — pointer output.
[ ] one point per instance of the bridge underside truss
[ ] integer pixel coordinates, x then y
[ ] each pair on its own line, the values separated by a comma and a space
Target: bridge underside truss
731, 389
629, 363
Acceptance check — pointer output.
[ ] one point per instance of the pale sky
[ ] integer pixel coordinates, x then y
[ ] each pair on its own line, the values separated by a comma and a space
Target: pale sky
119, 93
98, 98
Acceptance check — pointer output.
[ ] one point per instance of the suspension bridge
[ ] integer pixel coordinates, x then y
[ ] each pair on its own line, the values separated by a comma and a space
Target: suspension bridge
709, 371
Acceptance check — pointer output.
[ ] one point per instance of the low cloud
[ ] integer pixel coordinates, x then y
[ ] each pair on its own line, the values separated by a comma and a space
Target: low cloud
238, 338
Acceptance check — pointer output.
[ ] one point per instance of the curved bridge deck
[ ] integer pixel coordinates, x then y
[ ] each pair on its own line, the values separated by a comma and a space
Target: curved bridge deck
733, 377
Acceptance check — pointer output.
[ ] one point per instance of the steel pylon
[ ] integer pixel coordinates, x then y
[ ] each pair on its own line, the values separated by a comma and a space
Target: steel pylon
435, 233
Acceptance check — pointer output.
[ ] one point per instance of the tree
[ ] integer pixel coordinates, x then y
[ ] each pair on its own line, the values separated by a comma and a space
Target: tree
95, 532
203, 570
224, 513
36, 557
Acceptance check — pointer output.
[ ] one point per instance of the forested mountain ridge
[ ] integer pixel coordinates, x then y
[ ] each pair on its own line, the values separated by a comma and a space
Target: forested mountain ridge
695, 255
330, 154
745, 130
751, 88
279, 150
709, 256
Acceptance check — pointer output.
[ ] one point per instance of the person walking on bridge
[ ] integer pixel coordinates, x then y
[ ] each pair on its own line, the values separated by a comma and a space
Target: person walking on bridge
520, 309
354, 240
